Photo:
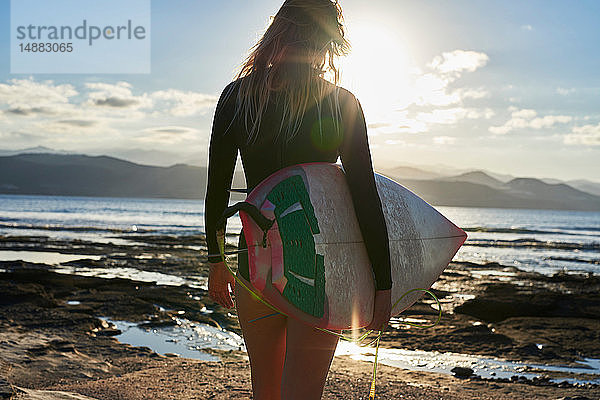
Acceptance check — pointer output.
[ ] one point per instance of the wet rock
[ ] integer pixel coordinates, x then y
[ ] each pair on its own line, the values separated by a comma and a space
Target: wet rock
481, 334
158, 324
528, 349
541, 380
85, 263
503, 300
108, 332
462, 372
6, 390
62, 346
37, 351
15, 293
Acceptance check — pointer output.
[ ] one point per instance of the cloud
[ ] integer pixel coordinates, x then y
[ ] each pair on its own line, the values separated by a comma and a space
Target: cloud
168, 135
170, 101
100, 114
411, 126
422, 121
549, 120
31, 98
179, 103
171, 130
378, 125
446, 116
428, 96
527, 118
16, 136
458, 61
119, 89
433, 88
565, 91
453, 115
28, 93
485, 113
394, 142
25, 112
527, 28
473, 93
524, 113
117, 95
586, 135
78, 122
116, 102
444, 140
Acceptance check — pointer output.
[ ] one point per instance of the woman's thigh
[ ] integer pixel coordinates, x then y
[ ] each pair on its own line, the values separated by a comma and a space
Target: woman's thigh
265, 343
309, 353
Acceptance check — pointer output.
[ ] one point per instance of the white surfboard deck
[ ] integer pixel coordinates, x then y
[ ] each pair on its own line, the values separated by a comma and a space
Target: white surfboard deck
422, 244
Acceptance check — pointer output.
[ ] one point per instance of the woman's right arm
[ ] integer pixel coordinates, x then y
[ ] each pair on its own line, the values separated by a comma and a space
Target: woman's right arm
222, 156
221, 164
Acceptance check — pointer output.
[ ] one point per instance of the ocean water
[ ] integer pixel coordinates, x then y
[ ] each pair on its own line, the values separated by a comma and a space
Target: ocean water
544, 241
539, 240
535, 240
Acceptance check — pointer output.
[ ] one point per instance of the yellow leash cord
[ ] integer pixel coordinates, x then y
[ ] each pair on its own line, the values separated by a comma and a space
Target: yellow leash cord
372, 390
221, 241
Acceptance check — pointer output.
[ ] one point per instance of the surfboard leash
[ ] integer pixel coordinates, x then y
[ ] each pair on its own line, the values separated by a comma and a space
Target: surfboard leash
359, 340
372, 389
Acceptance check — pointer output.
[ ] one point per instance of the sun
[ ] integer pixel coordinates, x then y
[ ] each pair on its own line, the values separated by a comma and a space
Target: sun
378, 70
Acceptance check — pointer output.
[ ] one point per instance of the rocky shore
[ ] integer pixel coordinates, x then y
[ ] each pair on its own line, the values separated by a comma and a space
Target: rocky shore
54, 334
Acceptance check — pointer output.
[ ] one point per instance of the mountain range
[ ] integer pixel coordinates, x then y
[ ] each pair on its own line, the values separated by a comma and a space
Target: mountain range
105, 176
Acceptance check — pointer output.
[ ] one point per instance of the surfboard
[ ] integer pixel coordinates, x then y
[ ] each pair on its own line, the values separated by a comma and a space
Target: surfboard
312, 264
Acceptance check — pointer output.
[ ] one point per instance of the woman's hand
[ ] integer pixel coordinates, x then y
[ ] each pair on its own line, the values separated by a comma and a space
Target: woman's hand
382, 309
219, 280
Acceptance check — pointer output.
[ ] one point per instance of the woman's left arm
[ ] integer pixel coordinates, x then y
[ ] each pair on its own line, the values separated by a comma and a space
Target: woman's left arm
221, 164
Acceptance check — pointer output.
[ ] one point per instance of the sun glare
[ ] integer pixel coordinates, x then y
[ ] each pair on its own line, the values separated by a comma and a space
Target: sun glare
377, 70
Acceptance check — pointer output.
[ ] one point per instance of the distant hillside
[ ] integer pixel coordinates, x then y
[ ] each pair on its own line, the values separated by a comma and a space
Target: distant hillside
81, 175
478, 177
585, 186
32, 150
521, 193
558, 195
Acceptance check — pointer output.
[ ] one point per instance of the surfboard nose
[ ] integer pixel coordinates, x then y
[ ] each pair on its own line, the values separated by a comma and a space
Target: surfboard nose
461, 235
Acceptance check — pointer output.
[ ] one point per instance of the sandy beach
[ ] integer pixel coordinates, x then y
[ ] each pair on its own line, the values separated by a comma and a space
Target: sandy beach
57, 340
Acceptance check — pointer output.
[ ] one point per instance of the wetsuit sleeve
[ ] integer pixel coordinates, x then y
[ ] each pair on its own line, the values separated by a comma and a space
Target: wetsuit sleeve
221, 164
356, 160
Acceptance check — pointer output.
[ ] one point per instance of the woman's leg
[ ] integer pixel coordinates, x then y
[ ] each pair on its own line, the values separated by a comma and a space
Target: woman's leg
309, 353
265, 342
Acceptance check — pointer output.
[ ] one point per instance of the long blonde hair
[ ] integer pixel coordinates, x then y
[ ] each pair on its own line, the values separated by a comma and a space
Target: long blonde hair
290, 60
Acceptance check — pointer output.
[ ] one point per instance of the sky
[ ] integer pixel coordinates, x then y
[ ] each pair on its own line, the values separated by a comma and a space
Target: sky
505, 86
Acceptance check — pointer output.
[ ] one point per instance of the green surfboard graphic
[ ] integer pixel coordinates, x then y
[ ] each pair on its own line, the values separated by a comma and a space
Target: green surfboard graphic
303, 267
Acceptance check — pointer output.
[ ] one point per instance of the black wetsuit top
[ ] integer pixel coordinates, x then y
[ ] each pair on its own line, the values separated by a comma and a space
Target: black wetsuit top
267, 155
